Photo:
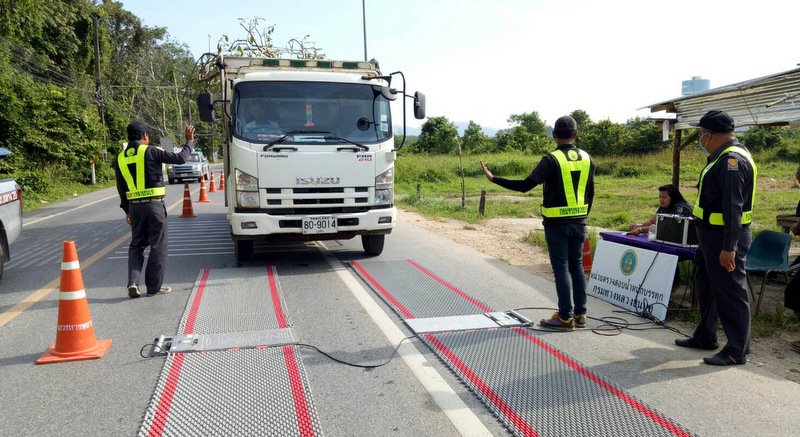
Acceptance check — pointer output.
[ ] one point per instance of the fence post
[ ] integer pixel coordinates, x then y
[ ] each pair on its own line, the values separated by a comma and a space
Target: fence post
419, 193
482, 205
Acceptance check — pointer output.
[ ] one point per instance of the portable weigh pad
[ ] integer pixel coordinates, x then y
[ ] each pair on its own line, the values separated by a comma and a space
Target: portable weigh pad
533, 388
241, 373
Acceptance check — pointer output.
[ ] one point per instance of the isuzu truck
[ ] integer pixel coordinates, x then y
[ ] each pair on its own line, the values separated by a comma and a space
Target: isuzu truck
308, 149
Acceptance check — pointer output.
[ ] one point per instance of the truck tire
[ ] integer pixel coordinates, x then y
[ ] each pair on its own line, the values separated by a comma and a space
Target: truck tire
244, 250
373, 244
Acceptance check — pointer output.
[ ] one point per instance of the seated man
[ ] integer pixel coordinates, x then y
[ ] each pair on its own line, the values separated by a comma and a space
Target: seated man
261, 127
670, 201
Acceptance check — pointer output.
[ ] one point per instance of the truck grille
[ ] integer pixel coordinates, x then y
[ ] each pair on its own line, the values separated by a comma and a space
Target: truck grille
317, 200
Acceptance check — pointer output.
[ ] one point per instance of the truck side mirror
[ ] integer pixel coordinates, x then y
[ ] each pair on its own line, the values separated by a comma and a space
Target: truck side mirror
206, 107
419, 105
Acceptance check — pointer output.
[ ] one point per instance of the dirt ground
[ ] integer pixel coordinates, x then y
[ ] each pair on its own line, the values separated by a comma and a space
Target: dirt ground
503, 239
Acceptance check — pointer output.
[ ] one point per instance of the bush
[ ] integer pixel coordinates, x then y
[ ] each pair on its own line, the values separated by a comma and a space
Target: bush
628, 171
33, 182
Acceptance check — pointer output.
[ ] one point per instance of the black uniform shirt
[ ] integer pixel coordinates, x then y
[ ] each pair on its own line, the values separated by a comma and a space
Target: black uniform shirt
154, 159
548, 172
728, 188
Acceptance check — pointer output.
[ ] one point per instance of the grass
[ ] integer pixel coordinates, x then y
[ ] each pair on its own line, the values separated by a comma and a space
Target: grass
59, 187
626, 191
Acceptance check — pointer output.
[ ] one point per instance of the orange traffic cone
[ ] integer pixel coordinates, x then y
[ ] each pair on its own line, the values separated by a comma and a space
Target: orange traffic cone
188, 212
211, 187
203, 194
75, 340
221, 180
587, 256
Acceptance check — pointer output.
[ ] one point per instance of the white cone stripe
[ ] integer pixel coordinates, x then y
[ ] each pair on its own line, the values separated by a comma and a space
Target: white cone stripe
70, 265
72, 295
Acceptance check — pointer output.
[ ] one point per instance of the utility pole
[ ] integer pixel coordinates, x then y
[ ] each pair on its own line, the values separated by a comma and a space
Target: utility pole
364, 20
98, 95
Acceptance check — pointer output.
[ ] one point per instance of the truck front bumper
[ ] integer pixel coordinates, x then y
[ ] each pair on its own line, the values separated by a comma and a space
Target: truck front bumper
259, 225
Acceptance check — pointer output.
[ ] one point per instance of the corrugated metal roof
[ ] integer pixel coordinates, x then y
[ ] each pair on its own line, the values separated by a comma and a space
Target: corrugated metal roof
773, 99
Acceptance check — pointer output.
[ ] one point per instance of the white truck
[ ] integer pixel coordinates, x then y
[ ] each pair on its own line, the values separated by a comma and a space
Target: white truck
308, 149
10, 215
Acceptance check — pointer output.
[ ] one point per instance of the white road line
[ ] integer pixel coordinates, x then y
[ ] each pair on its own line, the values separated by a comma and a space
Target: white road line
462, 418
68, 211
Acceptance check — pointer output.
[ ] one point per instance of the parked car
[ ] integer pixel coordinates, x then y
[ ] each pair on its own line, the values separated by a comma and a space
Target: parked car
195, 167
10, 214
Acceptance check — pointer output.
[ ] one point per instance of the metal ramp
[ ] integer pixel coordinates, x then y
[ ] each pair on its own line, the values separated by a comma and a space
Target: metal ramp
533, 388
227, 383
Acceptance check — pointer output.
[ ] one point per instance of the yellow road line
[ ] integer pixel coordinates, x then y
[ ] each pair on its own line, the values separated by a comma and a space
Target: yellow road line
39, 294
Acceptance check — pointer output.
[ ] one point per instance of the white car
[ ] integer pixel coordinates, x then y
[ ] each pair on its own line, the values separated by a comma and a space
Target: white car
195, 167
10, 214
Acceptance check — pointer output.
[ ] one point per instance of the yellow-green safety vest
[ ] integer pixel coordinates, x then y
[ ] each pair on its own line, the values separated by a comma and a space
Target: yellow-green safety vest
576, 205
136, 190
715, 218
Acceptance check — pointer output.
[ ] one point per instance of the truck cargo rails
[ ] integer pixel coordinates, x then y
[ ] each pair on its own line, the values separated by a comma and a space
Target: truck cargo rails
308, 149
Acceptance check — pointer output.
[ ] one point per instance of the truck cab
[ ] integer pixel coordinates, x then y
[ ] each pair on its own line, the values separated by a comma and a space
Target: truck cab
309, 150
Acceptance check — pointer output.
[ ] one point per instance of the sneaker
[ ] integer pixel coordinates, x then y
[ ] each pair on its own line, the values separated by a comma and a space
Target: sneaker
163, 290
580, 320
556, 322
133, 291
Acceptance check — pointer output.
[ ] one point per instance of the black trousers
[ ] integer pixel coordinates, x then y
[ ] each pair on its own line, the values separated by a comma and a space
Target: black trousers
148, 228
722, 295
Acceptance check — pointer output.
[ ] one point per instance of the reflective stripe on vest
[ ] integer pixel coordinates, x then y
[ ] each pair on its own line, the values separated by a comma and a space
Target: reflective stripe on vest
136, 190
576, 205
715, 218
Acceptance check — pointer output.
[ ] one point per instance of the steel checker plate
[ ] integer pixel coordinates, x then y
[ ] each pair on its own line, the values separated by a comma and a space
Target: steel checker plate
420, 294
246, 392
537, 390
235, 300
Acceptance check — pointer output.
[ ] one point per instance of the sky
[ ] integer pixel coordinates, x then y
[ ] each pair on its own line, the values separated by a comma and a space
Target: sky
483, 60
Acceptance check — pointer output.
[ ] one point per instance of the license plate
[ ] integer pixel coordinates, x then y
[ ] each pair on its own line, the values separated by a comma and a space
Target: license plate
319, 224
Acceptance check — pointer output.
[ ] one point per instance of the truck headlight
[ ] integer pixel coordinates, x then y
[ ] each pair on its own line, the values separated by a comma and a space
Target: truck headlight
247, 199
244, 181
384, 188
246, 189
385, 179
384, 197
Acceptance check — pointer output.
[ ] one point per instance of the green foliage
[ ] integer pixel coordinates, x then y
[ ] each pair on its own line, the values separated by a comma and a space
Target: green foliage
438, 136
762, 138
629, 171
536, 238
475, 141
530, 121
604, 138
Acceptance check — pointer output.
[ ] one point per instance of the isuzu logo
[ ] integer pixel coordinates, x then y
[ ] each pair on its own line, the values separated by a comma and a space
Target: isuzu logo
311, 180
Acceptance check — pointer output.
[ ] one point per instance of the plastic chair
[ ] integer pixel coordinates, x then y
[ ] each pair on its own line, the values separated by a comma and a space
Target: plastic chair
768, 253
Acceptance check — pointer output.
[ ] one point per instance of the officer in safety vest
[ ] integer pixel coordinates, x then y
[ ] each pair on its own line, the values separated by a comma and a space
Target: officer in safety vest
724, 209
568, 177
140, 184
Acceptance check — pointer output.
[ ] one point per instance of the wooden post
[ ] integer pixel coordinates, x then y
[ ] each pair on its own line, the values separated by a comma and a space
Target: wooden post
482, 205
676, 159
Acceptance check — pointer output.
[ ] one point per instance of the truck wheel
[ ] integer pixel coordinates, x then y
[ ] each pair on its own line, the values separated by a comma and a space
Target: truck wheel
244, 250
373, 244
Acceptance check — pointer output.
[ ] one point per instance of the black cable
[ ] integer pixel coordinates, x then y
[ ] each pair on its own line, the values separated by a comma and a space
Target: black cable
154, 346
360, 366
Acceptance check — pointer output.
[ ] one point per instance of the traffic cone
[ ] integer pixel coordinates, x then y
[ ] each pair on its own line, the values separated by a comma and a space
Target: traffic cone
211, 187
203, 194
221, 180
75, 340
587, 256
188, 212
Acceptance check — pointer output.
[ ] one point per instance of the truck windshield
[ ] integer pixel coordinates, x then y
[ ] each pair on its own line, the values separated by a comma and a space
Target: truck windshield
265, 111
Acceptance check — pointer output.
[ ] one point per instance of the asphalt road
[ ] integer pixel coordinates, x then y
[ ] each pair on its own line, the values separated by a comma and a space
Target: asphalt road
329, 308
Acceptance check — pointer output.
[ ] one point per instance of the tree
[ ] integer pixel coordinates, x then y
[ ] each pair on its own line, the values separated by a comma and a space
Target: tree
531, 121
646, 136
438, 135
582, 118
474, 140
604, 138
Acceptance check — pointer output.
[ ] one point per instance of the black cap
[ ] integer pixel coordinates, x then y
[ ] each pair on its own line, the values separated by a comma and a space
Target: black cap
565, 124
716, 121
136, 130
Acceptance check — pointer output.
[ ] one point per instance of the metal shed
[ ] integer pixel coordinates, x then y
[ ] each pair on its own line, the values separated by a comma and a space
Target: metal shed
769, 100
